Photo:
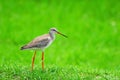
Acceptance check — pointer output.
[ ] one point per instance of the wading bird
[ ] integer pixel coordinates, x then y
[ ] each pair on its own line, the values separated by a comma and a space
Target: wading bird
40, 43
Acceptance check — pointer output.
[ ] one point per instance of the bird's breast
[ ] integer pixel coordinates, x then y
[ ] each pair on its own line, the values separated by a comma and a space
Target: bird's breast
49, 43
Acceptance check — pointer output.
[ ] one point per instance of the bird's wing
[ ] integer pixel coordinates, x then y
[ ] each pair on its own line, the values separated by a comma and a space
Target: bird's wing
39, 41
39, 44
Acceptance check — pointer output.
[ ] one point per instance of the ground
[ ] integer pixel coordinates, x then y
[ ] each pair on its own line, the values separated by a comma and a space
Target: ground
91, 51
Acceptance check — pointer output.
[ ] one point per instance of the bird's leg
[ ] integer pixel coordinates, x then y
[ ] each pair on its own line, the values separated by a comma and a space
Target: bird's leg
33, 59
42, 60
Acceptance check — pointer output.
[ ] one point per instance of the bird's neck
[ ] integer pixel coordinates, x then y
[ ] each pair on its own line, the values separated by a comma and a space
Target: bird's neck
52, 35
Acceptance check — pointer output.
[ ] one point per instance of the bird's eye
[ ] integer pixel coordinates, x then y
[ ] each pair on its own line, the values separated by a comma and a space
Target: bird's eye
53, 29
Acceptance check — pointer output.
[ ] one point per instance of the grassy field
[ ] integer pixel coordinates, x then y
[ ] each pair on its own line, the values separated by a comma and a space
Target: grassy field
92, 51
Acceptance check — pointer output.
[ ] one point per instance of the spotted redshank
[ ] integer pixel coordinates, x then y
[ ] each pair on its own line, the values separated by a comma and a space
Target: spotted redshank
40, 43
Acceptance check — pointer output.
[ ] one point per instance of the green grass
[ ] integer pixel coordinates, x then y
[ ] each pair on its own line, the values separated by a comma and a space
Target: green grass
91, 52
57, 73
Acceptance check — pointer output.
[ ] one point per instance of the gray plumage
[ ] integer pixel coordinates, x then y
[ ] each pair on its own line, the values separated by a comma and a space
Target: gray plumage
43, 41
38, 43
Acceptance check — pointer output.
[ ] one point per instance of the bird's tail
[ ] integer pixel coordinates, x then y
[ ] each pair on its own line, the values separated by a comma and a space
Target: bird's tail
23, 47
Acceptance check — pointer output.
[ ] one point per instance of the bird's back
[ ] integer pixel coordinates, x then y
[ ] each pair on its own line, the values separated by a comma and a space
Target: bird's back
38, 43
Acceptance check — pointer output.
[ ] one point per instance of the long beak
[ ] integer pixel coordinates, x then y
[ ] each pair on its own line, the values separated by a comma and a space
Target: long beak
61, 34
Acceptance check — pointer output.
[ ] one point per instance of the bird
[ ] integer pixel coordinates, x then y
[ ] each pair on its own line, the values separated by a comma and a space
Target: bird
41, 43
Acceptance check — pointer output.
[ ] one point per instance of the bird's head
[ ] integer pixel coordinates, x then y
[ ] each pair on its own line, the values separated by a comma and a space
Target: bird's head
54, 30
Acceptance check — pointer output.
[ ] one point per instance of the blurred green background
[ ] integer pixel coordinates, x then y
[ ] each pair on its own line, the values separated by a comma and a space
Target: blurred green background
93, 28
